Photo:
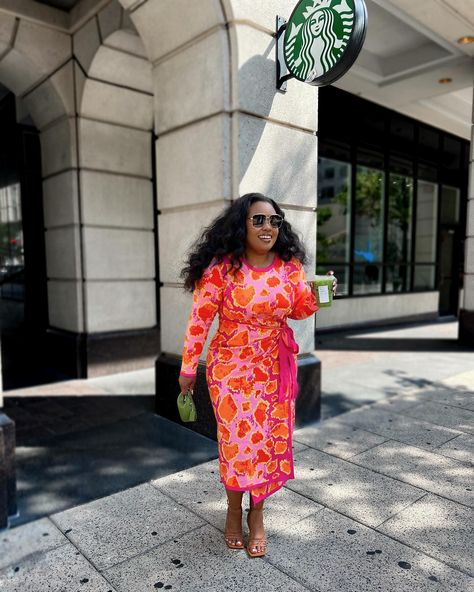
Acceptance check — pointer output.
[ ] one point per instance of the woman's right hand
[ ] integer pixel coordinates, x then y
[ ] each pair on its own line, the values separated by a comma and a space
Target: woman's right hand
186, 383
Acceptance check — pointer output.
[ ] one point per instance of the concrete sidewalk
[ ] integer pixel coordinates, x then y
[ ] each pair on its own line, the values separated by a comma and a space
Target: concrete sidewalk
365, 366
382, 500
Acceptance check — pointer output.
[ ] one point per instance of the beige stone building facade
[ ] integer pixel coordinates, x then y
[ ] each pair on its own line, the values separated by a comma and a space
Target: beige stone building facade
151, 116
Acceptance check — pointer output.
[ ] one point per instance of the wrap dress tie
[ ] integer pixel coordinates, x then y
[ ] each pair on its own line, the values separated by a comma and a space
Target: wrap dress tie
287, 351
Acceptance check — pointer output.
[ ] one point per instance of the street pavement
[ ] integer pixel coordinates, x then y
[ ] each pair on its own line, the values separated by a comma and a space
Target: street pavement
382, 498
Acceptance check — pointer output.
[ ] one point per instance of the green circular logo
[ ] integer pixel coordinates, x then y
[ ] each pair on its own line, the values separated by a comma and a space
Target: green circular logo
323, 38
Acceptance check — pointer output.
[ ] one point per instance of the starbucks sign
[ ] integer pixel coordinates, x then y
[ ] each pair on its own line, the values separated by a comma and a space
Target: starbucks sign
323, 38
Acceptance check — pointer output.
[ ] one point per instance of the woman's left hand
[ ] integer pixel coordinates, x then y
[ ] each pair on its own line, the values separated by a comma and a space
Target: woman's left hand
334, 282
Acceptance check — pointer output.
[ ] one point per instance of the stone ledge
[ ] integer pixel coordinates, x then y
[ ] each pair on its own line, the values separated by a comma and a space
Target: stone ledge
8, 506
308, 403
466, 327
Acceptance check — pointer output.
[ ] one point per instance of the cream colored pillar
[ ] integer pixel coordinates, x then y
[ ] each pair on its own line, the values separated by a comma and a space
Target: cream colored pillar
275, 152
466, 315
222, 130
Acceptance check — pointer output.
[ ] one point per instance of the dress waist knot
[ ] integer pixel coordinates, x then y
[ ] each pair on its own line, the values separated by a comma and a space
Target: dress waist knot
287, 350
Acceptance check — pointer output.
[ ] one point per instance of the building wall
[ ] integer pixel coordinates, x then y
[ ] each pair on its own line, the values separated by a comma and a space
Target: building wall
466, 319
348, 312
192, 86
400, 225
198, 81
114, 94
89, 94
215, 89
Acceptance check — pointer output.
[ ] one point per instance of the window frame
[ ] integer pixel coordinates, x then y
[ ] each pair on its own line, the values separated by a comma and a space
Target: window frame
343, 143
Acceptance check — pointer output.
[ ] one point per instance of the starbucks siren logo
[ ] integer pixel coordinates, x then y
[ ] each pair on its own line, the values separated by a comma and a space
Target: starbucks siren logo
316, 37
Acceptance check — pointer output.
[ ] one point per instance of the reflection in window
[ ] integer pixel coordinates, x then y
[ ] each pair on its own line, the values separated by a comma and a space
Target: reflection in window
400, 204
425, 277
11, 243
450, 201
397, 278
426, 235
367, 278
368, 245
333, 236
369, 215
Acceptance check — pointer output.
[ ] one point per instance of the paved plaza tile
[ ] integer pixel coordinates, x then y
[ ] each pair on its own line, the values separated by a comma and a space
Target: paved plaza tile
398, 403
382, 501
122, 525
200, 490
36, 537
445, 415
429, 471
439, 527
337, 438
329, 552
448, 396
355, 491
399, 427
63, 569
199, 560
459, 448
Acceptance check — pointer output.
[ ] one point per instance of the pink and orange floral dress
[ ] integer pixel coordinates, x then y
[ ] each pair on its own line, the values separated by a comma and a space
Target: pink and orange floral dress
251, 366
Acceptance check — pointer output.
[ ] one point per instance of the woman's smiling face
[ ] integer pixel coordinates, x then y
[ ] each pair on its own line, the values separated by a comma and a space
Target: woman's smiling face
262, 239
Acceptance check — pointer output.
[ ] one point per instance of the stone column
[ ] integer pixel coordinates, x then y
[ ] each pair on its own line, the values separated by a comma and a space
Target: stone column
466, 315
193, 123
224, 130
275, 135
102, 265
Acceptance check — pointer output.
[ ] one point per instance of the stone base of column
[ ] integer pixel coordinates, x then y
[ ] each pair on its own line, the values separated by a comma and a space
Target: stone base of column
308, 404
80, 355
8, 503
466, 327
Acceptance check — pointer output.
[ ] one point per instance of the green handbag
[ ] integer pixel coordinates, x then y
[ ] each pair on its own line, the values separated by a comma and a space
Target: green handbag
186, 407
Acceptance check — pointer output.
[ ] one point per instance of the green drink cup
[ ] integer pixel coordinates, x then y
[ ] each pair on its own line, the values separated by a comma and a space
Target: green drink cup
322, 287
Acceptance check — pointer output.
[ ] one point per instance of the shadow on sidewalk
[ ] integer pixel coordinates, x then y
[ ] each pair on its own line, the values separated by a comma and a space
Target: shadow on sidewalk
71, 450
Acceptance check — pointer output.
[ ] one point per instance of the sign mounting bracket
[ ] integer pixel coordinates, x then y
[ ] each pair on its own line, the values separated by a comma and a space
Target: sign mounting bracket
282, 72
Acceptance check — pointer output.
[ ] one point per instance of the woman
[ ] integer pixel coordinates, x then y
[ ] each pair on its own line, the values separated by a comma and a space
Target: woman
247, 266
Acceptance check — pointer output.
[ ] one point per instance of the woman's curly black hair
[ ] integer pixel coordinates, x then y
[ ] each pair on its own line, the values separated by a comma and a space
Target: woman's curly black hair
226, 236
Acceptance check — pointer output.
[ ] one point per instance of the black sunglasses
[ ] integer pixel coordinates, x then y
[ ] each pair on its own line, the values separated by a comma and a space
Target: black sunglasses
259, 220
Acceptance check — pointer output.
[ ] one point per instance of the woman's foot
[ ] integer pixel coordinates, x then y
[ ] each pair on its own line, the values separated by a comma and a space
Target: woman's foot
257, 545
233, 535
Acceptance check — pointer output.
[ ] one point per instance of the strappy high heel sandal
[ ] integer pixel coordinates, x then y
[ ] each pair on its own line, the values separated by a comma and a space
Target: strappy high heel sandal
260, 544
232, 538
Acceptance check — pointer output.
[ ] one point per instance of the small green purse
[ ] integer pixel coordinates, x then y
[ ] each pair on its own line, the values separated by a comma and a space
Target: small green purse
186, 407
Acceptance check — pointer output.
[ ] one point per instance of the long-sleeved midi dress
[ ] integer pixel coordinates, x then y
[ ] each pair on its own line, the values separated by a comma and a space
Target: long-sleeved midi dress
251, 366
